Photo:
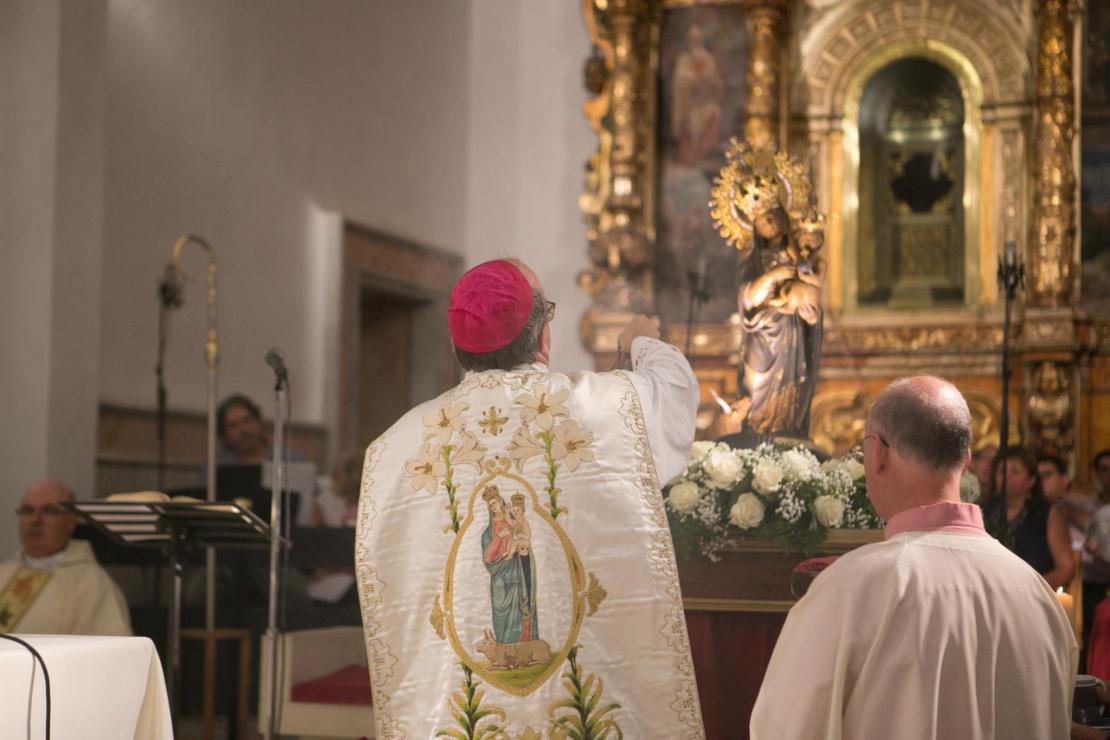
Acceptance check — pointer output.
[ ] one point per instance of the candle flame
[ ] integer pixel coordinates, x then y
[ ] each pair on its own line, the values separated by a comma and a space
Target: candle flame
720, 401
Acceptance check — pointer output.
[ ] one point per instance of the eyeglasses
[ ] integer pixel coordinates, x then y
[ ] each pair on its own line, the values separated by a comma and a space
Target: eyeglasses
856, 450
549, 311
48, 510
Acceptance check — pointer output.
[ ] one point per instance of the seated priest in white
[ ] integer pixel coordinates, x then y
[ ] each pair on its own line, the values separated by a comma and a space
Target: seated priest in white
515, 569
55, 586
939, 631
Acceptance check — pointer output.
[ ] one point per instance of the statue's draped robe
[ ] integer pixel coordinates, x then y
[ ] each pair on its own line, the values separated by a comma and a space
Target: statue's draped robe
79, 598
781, 353
588, 453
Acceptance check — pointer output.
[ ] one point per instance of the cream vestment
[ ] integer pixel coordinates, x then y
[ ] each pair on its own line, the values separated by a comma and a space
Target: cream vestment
926, 636
513, 558
72, 595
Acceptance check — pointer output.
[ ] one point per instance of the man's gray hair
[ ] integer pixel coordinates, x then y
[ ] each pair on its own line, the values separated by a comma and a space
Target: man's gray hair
520, 351
925, 418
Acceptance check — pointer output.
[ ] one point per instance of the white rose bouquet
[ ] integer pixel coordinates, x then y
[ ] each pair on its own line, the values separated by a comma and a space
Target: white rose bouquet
774, 492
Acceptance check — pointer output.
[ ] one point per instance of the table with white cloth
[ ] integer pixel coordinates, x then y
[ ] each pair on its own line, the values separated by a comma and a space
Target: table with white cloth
101, 688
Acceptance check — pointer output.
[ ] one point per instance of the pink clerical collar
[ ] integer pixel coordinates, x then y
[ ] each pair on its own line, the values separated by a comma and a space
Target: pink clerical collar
953, 517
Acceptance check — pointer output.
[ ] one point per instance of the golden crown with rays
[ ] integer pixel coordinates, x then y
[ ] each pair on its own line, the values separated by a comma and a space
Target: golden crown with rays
754, 181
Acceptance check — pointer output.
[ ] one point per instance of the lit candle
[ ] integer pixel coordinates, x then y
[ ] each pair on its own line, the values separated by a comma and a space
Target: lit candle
1067, 603
1009, 257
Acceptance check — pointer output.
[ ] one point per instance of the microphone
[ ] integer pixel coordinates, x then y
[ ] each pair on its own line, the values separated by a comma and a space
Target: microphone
170, 289
275, 358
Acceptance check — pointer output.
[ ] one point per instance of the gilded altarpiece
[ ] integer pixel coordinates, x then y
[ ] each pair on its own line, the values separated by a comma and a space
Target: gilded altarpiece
1012, 153
672, 80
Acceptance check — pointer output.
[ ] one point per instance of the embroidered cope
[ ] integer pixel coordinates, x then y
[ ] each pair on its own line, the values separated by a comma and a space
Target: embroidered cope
513, 559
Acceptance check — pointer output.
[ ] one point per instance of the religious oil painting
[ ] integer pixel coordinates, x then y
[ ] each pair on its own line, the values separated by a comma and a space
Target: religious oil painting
1094, 186
511, 587
702, 62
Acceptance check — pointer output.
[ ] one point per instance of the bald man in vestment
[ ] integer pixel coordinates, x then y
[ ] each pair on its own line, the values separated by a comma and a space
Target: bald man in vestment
515, 569
939, 631
55, 586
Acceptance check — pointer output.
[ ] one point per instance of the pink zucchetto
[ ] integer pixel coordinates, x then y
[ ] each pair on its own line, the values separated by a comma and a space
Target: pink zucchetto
489, 307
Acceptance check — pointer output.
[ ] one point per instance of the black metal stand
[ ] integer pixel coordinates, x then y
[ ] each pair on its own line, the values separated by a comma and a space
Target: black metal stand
699, 294
1011, 276
177, 528
169, 298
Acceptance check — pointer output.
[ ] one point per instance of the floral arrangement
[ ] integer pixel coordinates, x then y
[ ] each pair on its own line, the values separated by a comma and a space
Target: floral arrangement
773, 492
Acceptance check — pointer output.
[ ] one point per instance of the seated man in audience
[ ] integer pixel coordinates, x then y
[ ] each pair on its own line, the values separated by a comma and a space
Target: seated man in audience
55, 586
1101, 464
242, 436
938, 632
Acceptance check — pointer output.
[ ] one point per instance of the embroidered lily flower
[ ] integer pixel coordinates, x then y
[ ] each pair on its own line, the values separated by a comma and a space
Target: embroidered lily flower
524, 447
426, 468
469, 452
571, 445
543, 407
444, 422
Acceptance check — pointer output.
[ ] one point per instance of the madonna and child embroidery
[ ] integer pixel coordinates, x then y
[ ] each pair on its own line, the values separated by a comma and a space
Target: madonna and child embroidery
515, 653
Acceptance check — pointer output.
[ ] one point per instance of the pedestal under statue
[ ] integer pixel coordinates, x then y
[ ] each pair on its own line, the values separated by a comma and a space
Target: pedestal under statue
763, 206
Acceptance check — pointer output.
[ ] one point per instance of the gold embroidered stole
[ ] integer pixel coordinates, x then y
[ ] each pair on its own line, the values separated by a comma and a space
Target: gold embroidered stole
19, 594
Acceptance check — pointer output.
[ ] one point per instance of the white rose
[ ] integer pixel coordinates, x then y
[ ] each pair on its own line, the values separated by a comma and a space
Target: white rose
829, 511
799, 464
747, 512
969, 487
766, 476
723, 467
684, 496
854, 468
701, 449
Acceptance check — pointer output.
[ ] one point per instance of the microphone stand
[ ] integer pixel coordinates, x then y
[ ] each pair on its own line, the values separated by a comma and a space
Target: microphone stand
211, 361
169, 298
1011, 276
699, 294
277, 489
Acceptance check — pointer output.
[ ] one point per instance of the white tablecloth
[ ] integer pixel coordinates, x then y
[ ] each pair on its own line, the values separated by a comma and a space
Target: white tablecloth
101, 688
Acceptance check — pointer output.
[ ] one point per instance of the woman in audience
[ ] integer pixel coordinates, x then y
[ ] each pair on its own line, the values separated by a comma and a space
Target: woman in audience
1023, 519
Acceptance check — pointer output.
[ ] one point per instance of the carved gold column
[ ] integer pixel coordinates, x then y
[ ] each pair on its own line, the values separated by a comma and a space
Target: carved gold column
1052, 253
765, 36
623, 246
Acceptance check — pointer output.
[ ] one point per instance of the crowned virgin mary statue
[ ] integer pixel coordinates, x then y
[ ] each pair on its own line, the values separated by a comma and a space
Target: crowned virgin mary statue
763, 206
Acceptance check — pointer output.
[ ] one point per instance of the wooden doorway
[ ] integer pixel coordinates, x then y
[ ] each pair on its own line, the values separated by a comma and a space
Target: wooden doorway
396, 350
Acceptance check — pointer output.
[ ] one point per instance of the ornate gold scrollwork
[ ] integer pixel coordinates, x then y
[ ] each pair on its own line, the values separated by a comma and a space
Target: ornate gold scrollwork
1053, 235
1049, 409
905, 339
621, 248
838, 417
765, 21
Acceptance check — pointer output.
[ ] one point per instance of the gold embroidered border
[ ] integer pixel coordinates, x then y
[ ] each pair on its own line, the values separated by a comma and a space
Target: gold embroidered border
370, 588
19, 595
661, 555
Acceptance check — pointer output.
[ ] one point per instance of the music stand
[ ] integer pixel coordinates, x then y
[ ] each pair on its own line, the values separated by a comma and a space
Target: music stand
175, 527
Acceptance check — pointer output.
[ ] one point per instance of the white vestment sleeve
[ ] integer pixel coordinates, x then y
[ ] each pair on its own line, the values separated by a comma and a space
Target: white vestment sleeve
669, 397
